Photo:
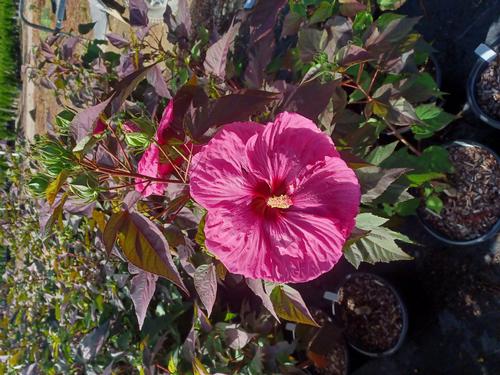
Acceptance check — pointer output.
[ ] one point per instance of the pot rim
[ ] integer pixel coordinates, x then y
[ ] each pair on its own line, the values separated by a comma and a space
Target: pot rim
495, 228
477, 69
404, 314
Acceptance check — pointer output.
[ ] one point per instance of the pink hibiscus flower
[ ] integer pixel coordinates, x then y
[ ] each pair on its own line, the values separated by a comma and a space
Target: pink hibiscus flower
100, 127
280, 200
150, 164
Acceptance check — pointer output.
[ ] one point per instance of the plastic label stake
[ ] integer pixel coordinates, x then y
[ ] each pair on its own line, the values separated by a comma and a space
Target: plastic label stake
485, 52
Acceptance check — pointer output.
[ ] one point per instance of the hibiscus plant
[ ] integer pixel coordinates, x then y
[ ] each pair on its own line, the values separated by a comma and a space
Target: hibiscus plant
247, 156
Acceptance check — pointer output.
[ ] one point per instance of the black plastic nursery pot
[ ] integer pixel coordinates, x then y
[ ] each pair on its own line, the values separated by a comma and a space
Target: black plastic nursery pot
441, 236
474, 76
323, 350
371, 312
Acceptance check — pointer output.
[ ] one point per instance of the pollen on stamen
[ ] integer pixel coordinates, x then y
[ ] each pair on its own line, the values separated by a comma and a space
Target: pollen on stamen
281, 201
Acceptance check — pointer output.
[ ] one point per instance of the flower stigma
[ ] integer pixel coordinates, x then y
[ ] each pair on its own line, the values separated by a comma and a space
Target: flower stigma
280, 201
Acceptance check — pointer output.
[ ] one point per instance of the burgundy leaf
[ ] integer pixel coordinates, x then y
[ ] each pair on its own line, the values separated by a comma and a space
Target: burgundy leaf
83, 124
401, 113
289, 305
125, 87
117, 40
257, 287
156, 79
189, 346
375, 180
184, 18
236, 338
92, 342
79, 207
309, 99
378, 41
112, 228
185, 252
291, 24
138, 12
350, 8
216, 57
205, 282
340, 33
263, 18
68, 47
234, 107
352, 54
142, 289
126, 65
310, 43
145, 246
259, 57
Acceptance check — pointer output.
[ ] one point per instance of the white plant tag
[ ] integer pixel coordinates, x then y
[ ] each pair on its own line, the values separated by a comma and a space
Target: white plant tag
485, 52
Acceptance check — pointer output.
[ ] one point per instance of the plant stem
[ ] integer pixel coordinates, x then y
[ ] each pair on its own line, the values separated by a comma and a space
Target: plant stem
403, 139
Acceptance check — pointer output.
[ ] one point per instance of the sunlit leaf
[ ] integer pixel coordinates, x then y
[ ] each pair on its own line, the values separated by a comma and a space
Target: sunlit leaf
289, 305
205, 282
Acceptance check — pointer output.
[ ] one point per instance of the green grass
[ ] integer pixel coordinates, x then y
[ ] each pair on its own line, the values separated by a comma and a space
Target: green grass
9, 87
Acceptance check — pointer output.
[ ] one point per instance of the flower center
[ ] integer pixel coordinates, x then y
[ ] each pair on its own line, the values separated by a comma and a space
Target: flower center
280, 201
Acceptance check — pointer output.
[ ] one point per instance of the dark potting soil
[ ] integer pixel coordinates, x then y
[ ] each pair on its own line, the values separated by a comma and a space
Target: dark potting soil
328, 350
472, 205
336, 361
488, 89
371, 313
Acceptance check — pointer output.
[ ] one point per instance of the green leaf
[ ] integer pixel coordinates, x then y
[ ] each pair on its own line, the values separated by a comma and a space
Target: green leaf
145, 247
362, 21
199, 238
85, 144
390, 4
289, 305
85, 28
433, 119
38, 184
368, 221
380, 153
322, 13
377, 246
417, 179
407, 208
434, 203
137, 140
64, 118
433, 159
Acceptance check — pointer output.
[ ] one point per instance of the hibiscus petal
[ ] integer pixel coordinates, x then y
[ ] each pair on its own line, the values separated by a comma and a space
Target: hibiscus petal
99, 128
219, 172
286, 147
295, 250
166, 119
328, 189
150, 165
